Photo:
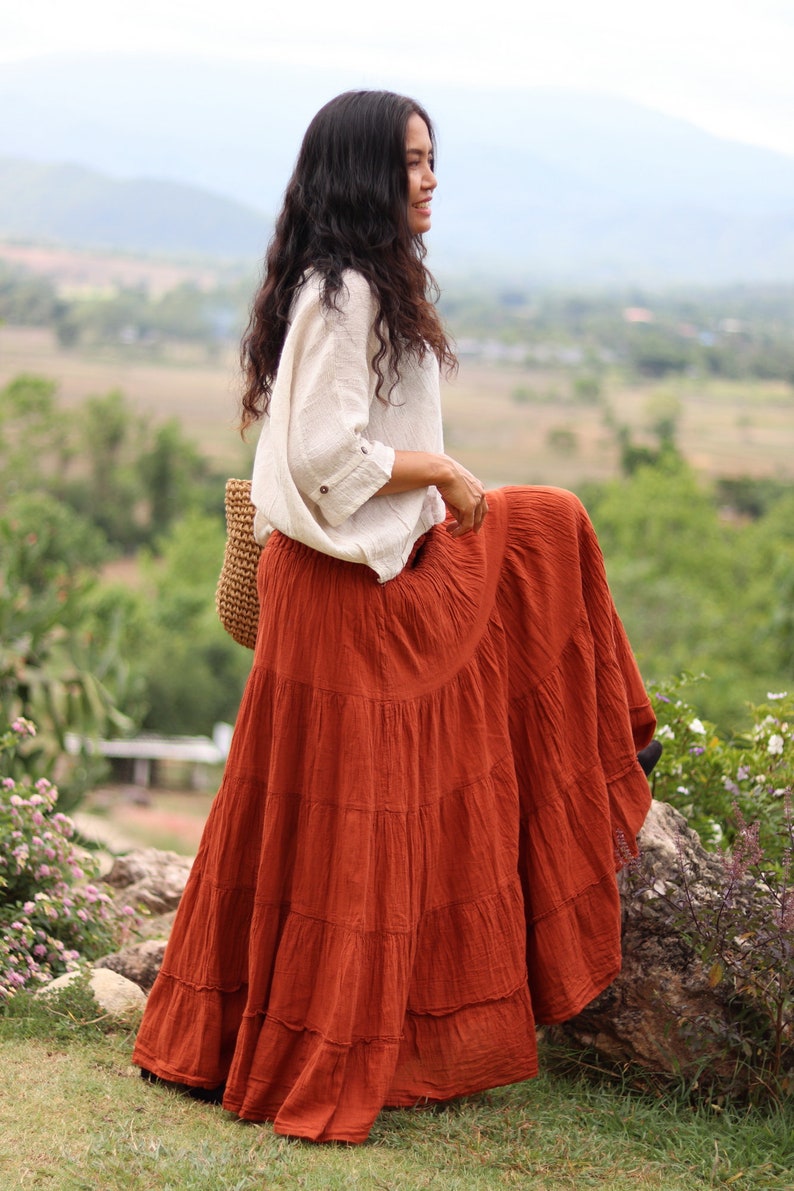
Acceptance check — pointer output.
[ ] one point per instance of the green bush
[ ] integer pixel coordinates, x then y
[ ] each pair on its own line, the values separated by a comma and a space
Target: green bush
710, 776
737, 794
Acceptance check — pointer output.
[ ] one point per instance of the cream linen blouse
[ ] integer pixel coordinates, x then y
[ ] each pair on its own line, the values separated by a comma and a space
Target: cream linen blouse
327, 444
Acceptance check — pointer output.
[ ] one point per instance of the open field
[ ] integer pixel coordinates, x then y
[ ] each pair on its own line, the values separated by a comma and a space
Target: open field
726, 428
501, 420
186, 384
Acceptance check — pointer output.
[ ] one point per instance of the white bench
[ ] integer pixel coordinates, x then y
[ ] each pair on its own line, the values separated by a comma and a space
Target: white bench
145, 750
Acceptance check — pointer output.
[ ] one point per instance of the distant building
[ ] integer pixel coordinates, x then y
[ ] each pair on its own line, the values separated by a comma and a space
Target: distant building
638, 314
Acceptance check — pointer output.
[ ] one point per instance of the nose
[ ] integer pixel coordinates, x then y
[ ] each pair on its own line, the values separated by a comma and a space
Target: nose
429, 181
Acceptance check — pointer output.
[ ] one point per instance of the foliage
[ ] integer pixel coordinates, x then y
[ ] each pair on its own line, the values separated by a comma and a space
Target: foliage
129, 478
563, 440
58, 665
195, 672
657, 352
736, 793
33, 437
52, 915
698, 591
737, 332
107, 490
710, 777
745, 934
26, 300
136, 320
75, 650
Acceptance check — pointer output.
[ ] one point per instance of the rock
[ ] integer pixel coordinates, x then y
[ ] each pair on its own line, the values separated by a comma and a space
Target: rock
150, 879
665, 1011
114, 994
140, 962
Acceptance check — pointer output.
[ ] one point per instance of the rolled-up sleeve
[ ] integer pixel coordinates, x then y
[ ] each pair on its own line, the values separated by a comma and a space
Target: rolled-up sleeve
332, 460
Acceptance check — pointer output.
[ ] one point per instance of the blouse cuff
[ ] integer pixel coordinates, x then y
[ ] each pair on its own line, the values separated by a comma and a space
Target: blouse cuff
343, 493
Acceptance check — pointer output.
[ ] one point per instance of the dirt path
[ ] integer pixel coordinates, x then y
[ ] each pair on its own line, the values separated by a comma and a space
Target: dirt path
123, 818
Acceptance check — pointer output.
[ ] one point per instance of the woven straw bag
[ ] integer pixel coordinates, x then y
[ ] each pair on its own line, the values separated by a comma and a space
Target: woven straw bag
236, 597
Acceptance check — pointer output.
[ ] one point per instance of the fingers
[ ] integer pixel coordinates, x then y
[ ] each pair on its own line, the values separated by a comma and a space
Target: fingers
468, 521
465, 499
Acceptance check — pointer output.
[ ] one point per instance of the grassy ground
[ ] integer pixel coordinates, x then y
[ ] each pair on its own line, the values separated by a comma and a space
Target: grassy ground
80, 1119
566, 1130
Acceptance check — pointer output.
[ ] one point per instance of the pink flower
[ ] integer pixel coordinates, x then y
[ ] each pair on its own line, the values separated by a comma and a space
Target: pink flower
23, 727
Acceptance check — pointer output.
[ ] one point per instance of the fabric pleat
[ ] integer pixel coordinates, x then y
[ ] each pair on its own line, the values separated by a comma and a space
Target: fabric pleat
411, 859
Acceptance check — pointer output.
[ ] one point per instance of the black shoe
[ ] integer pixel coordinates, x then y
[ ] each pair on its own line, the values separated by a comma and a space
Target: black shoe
648, 756
205, 1095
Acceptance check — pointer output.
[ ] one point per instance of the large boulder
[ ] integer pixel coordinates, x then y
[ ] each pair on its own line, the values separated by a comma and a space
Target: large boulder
668, 1010
139, 962
150, 879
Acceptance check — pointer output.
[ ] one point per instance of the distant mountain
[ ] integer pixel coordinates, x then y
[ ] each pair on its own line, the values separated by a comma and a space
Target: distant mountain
72, 205
540, 183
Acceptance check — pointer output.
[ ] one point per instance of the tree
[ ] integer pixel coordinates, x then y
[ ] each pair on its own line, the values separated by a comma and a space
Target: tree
696, 593
51, 653
171, 471
194, 672
113, 438
33, 438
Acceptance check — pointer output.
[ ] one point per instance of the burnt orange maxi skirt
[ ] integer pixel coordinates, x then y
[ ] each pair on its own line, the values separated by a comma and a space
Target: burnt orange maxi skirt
411, 859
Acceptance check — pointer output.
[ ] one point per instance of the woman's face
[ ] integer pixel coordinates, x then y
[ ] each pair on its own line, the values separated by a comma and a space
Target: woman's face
421, 180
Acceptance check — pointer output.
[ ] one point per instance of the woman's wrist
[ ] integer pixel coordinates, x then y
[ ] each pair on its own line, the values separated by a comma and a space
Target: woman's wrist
418, 469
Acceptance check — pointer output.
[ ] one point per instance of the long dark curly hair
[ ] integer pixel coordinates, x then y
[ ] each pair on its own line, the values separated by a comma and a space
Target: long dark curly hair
345, 207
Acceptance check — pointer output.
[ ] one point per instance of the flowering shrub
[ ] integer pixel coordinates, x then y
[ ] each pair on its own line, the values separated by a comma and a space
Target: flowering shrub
739, 922
737, 794
708, 776
51, 915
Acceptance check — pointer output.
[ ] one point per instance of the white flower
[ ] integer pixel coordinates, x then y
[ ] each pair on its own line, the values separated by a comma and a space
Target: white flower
682, 789
775, 745
776, 695
697, 727
665, 733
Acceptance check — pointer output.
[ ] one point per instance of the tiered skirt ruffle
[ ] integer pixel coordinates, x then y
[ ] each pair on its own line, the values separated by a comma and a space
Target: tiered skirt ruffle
412, 855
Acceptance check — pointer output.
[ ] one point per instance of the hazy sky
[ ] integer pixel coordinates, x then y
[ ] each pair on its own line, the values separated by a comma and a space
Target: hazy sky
727, 65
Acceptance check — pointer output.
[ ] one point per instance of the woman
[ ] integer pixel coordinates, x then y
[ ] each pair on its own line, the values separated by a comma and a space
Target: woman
411, 859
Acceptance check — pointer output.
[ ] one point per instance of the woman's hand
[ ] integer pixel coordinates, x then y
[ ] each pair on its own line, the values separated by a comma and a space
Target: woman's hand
461, 492
464, 496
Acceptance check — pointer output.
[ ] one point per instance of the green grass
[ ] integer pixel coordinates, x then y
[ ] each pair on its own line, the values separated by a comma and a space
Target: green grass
76, 1117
